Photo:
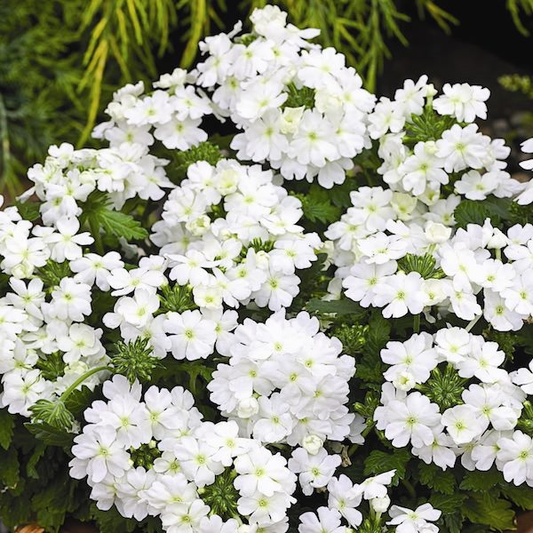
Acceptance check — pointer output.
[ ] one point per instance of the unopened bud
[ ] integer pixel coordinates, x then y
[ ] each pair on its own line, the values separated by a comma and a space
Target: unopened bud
247, 408
436, 232
380, 505
312, 444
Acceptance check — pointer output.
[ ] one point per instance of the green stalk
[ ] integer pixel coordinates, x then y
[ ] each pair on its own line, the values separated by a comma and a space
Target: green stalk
95, 231
472, 323
409, 487
416, 323
81, 379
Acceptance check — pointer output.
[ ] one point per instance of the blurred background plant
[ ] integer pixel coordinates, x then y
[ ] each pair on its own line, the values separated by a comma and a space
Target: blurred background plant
60, 60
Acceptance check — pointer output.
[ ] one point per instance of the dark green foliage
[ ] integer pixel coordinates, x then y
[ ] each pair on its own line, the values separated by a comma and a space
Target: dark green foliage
429, 126
473, 212
378, 462
28, 210
488, 509
435, 478
52, 367
478, 481
205, 151
341, 307
97, 214
52, 273
318, 207
7, 423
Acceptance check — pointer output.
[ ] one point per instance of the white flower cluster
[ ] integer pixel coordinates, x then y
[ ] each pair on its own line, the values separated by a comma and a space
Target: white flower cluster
41, 330
172, 114
345, 497
456, 156
286, 382
69, 176
299, 107
231, 234
488, 403
153, 454
373, 244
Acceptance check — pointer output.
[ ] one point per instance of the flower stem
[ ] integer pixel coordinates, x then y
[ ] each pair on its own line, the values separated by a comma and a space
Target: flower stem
95, 231
472, 323
416, 323
410, 489
81, 379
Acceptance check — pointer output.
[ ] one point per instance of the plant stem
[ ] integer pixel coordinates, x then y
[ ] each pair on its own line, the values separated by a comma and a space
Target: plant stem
95, 230
472, 323
409, 487
416, 323
365, 432
81, 379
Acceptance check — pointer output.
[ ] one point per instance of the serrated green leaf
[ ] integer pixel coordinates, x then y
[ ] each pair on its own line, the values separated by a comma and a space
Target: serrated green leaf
7, 423
28, 210
9, 468
121, 225
97, 213
487, 509
521, 496
322, 212
437, 479
475, 212
447, 503
378, 462
52, 503
453, 522
378, 334
478, 481
317, 206
111, 521
49, 435
38, 452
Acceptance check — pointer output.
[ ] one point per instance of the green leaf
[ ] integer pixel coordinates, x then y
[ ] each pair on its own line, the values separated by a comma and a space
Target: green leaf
112, 522
28, 210
78, 400
487, 509
378, 462
317, 206
447, 503
9, 468
52, 503
341, 307
521, 496
453, 522
120, 225
475, 212
7, 423
38, 452
378, 334
52, 366
49, 434
97, 213
437, 479
478, 481
324, 212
